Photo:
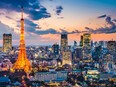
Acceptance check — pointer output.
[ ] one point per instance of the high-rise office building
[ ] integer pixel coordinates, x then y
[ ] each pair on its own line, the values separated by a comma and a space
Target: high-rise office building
97, 53
7, 42
75, 45
85, 43
85, 40
78, 52
66, 57
81, 41
64, 42
111, 45
55, 48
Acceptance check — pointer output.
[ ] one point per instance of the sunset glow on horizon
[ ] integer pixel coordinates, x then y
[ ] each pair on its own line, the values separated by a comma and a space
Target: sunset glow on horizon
45, 20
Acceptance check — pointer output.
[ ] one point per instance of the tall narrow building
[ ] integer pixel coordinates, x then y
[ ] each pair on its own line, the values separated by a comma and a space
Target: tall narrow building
7, 42
81, 41
55, 48
85, 40
64, 42
22, 62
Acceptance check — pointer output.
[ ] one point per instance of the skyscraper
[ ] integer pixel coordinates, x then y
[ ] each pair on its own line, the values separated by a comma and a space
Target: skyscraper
81, 41
64, 42
7, 42
66, 53
85, 40
111, 45
78, 52
55, 49
66, 57
85, 43
22, 62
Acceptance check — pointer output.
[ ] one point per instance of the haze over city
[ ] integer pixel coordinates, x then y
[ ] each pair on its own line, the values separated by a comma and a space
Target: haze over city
45, 20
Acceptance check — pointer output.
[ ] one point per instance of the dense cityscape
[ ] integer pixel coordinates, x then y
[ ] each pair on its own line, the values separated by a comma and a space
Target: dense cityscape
86, 63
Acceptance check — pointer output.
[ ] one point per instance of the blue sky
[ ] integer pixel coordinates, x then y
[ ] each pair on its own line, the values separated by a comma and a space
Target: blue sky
45, 20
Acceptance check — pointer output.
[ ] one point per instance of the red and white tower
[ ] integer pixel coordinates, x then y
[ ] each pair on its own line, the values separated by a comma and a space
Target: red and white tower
22, 62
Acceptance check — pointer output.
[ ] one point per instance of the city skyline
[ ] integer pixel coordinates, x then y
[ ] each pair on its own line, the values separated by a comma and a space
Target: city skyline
45, 20
57, 43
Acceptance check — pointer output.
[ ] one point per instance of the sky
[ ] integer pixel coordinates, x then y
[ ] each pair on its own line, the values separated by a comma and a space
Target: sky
46, 20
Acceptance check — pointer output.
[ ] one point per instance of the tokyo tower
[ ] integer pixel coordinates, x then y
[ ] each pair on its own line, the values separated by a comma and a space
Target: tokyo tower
22, 62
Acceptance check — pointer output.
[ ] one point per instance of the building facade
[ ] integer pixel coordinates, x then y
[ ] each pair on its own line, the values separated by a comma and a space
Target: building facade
81, 41
51, 76
78, 52
85, 40
85, 43
111, 45
66, 57
55, 48
64, 41
7, 42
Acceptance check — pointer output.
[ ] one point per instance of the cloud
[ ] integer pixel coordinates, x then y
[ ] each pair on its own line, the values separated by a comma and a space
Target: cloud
67, 32
30, 23
42, 13
8, 17
110, 22
75, 31
1, 13
59, 10
60, 17
89, 29
48, 31
33, 11
114, 20
30, 26
110, 28
102, 16
108, 19
6, 29
100, 30
64, 31
32, 7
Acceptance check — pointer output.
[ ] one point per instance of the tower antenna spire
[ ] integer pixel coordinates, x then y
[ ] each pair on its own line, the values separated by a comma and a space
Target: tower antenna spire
22, 11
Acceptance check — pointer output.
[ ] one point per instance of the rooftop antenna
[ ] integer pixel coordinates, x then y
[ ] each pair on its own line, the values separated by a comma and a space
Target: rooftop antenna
22, 10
